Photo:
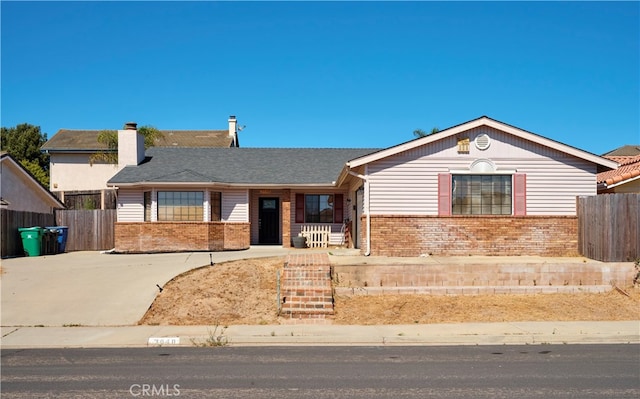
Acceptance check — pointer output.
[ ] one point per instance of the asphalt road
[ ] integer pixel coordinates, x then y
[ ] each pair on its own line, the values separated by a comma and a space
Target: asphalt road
533, 371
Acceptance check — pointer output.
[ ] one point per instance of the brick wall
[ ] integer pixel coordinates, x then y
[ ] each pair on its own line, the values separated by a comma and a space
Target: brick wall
181, 236
481, 235
286, 218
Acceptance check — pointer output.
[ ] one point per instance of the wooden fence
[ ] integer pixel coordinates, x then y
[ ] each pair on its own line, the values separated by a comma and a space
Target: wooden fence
11, 242
89, 230
609, 227
317, 236
96, 199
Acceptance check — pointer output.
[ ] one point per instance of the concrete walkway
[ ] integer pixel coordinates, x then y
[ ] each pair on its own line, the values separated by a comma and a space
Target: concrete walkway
95, 289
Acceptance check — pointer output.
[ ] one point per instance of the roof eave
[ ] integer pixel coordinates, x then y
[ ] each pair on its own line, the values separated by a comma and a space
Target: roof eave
53, 200
221, 184
76, 151
621, 182
482, 121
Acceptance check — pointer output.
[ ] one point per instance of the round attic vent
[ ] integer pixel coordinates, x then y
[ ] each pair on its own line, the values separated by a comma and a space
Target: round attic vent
482, 142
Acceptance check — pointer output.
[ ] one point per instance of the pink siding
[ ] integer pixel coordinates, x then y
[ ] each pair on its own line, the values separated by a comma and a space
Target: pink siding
407, 183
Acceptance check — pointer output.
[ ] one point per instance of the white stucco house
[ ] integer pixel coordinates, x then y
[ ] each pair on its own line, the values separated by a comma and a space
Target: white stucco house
72, 173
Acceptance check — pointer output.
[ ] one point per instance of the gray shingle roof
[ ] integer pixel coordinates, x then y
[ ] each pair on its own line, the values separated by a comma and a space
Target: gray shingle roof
629, 150
87, 140
255, 166
74, 140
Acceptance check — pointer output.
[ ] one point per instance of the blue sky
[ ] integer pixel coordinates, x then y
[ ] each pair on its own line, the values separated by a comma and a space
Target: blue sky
326, 74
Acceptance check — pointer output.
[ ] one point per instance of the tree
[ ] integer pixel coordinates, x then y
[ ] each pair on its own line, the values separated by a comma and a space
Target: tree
37, 171
422, 133
23, 143
110, 139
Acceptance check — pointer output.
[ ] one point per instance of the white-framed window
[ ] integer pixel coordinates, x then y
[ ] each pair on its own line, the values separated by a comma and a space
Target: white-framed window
474, 194
179, 206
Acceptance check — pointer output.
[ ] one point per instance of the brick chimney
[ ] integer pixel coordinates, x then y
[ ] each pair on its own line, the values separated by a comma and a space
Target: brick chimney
233, 130
130, 146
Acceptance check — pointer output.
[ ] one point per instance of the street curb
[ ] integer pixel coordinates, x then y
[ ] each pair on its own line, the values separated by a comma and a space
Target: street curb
522, 333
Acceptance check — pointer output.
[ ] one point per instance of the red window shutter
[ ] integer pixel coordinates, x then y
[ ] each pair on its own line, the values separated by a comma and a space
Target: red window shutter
444, 194
338, 207
519, 194
299, 208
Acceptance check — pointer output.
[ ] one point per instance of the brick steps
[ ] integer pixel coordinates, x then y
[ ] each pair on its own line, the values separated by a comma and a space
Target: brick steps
306, 289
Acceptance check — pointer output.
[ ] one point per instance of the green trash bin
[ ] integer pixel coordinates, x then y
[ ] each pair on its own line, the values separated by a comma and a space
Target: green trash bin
32, 240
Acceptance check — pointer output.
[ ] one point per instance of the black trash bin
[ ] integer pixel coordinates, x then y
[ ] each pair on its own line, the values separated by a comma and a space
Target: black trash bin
52, 244
61, 240
46, 242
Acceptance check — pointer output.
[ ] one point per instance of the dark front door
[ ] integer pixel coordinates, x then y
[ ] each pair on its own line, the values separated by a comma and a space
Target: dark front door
269, 221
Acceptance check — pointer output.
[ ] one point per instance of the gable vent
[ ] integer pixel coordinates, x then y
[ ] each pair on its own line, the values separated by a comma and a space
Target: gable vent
482, 142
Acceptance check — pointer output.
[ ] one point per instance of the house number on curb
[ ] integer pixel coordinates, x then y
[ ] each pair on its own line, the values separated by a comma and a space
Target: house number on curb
164, 341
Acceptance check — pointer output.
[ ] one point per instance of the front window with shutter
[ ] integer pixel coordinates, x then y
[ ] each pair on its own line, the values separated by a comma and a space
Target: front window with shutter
481, 195
319, 208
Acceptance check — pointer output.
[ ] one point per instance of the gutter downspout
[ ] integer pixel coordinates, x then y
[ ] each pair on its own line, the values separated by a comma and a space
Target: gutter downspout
366, 191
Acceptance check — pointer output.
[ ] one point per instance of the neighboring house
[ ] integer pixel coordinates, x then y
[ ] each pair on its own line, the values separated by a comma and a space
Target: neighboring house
20, 191
482, 187
625, 179
72, 174
624, 151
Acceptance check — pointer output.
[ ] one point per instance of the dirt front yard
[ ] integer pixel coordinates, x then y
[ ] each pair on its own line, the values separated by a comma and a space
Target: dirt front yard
244, 292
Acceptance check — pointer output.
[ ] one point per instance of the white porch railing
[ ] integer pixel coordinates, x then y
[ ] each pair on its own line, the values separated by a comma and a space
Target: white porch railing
317, 236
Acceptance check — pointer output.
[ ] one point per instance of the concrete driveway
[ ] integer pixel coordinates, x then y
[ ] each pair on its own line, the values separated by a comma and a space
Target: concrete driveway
94, 289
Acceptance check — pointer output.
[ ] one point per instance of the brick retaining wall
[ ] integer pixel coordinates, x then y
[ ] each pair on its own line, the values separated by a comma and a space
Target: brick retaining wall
483, 277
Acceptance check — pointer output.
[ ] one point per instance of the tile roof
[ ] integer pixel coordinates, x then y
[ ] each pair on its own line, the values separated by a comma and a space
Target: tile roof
251, 166
629, 168
87, 140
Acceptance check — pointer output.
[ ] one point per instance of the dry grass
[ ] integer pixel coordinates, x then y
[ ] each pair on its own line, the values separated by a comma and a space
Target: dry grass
423, 309
239, 292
